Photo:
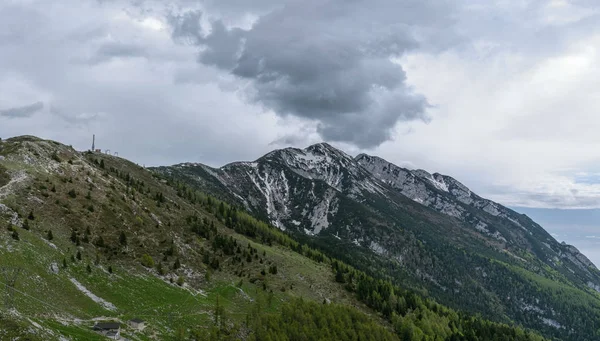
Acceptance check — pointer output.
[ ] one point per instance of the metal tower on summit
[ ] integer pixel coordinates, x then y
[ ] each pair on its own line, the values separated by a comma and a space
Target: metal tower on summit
93, 142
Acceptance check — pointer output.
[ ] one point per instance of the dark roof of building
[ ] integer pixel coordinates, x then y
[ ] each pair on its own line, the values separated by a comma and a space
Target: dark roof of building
137, 320
107, 325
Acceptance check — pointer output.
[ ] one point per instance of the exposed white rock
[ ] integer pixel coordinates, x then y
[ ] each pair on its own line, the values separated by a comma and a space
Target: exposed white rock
551, 323
13, 216
319, 216
15, 180
482, 227
378, 249
107, 305
54, 268
594, 286
532, 307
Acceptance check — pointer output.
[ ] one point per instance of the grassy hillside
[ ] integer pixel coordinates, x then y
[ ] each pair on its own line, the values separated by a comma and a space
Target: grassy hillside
92, 237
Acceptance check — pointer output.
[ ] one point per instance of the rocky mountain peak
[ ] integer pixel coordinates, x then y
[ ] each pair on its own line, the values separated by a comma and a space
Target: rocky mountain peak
414, 219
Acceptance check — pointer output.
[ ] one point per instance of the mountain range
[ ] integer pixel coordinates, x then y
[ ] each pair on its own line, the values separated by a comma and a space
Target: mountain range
380, 252
425, 231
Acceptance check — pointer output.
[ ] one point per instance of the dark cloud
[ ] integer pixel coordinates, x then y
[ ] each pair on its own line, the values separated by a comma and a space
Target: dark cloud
326, 61
24, 111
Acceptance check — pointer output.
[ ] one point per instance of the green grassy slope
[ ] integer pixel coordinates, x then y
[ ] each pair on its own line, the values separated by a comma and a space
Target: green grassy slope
87, 201
97, 238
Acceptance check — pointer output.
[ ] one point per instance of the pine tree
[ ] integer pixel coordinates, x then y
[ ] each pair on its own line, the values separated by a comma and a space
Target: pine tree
88, 268
64, 263
86, 235
100, 242
50, 236
31, 216
339, 276
123, 239
78, 255
110, 269
72, 194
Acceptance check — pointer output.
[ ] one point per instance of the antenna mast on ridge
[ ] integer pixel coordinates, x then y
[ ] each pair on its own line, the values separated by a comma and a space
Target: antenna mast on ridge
93, 142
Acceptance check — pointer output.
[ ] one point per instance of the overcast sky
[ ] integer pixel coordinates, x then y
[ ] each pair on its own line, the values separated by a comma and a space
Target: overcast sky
501, 94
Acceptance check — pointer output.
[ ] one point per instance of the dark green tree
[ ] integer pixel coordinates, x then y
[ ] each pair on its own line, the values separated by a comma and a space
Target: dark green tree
123, 239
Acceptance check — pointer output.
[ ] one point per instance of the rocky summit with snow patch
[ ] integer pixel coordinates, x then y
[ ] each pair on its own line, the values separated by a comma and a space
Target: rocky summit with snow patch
426, 230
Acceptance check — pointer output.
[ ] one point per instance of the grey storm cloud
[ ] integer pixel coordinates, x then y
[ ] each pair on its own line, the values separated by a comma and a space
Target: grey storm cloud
24, 111
327, 61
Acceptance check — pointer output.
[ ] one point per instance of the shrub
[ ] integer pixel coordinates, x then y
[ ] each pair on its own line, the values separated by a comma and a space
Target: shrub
72, 194
215, 263
273, 269
147, 261
55, 157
